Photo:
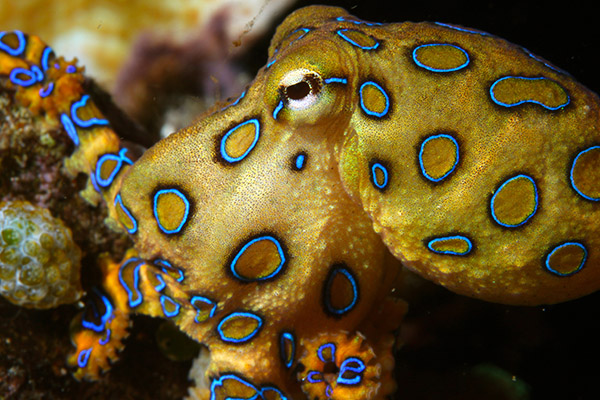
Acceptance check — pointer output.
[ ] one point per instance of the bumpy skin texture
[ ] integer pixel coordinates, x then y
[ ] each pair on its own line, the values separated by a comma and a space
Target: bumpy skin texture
259, 229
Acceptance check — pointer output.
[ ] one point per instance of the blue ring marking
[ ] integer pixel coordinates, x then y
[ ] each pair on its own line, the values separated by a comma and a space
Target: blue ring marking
71, 69
245, 247
420, 64
45, 91
362, 104
118, 200
270, 63
357, 22
226, 156
331, 347
87, 123
14, 77
311, 379
344, 271
424, 172
526, 101
219, 382
289, 337
450, 252
328, 391
94, 183
571, 174
235, 103
120, 159
106, 339
168, 268
70, 128
306, 30
136, 282
103, 319
458, 28
277, 109
245, 338
340, 33
498, 191
56, 65
203, 299
39, 75
300, 161
357, 368
185, 215
20, 47
335, 80
547, 64
84, 357
161, 283
379, 167
584, 259
163, 303
45, 57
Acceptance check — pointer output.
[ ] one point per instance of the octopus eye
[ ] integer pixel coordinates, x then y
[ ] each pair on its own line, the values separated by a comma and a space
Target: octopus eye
300, 88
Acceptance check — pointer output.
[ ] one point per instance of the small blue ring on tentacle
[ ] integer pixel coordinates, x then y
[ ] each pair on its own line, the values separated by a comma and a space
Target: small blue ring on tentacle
45, 91
322, 348
70, 128
354, 365
33, 76
164, 302
135, 290
205, 300
106, 338
161, 283
15, 52
84, 357
103, 318
119, 201
84, 123
120, 159
168, 268
45, 58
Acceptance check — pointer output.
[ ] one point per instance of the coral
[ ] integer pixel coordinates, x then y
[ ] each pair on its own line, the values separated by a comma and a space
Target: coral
39, 262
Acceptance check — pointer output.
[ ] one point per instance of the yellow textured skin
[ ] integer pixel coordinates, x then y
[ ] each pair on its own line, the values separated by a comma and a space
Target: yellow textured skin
264, 231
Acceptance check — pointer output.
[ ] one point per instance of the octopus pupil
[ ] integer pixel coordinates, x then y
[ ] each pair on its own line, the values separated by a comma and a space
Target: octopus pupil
300, 90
